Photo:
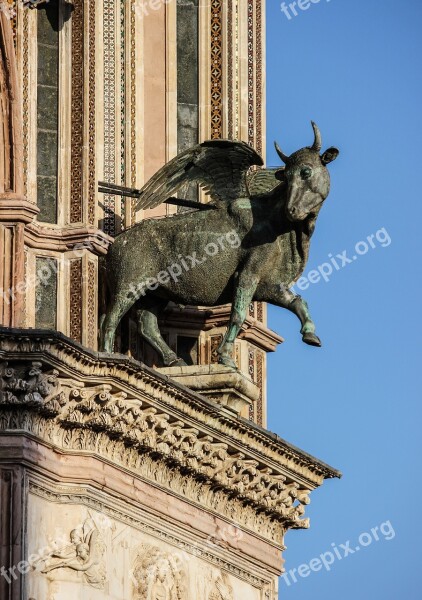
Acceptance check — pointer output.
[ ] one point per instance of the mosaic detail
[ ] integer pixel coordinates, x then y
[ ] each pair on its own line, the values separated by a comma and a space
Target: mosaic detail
216, 69
75, 331
251, 371
92, 180
92, 304
133, 102
215, 342
258, 83
77, 109
260, 384
122, 104
251, 91
230, 70
109, 27
237, 76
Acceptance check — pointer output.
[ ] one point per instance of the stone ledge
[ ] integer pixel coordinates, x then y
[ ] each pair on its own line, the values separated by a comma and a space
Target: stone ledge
133, 375
122, 411
217, 382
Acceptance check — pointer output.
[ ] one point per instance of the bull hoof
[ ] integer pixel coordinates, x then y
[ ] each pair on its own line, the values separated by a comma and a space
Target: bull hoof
227, 361
311, 339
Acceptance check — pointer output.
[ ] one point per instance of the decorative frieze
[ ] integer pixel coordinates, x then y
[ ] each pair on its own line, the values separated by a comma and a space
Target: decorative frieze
165, 433
147, 430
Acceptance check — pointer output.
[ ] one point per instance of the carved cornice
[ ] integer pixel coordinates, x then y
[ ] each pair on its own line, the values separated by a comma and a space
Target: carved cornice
62, 239
16, 209
121, 410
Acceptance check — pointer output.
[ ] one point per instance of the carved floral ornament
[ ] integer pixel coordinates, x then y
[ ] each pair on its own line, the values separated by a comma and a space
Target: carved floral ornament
143, 429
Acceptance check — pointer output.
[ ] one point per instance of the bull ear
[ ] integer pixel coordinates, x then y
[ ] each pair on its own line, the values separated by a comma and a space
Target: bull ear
280, 174
329, 155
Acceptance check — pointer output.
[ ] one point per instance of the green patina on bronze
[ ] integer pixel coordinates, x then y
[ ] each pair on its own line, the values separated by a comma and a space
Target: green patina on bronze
253, 246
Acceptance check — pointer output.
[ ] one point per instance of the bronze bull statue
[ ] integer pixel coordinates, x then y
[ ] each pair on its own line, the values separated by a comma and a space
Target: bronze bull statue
251, 245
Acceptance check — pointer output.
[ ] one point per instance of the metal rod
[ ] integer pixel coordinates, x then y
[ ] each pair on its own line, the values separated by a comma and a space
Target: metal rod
113, 189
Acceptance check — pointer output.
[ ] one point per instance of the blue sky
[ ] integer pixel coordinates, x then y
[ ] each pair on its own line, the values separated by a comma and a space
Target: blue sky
355, 68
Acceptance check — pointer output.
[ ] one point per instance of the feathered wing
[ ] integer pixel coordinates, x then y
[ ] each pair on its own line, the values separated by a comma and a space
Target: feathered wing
262, 181
218, 166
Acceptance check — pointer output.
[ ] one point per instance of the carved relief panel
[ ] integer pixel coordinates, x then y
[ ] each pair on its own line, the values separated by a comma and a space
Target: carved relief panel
82, 545
158, 575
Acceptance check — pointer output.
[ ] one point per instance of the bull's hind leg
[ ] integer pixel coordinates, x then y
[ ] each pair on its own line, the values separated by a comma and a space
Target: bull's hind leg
298, 306
149, 330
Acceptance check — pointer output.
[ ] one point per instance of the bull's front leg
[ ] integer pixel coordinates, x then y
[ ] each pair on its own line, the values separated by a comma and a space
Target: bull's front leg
298, 306
245, 287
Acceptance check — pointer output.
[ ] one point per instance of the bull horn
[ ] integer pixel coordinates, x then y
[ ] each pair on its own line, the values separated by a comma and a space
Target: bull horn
317, 145
281, 154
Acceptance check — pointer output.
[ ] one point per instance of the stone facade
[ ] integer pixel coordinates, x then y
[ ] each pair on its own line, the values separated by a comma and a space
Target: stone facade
111, 91
120, 480
106, 464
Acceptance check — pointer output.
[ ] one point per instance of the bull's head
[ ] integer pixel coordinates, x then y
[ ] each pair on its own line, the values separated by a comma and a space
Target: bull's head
307, 177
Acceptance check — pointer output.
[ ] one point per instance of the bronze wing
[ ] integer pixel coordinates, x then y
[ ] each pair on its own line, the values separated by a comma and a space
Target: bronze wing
218, 166
261, 182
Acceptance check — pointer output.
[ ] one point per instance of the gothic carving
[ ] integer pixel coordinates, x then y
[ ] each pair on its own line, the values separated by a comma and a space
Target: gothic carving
84, 554
157, 575
29, 388
208, 466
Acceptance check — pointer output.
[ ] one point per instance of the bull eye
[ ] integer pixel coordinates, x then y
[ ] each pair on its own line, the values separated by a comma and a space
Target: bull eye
306, 173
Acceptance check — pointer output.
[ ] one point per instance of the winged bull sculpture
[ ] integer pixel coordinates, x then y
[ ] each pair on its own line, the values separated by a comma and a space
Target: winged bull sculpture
259, 231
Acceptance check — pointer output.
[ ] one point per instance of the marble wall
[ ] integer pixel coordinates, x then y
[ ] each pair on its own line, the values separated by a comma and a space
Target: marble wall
82, 554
